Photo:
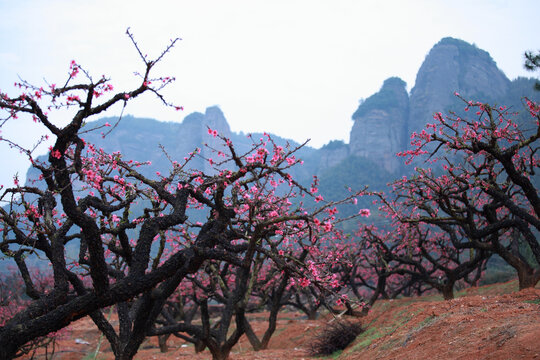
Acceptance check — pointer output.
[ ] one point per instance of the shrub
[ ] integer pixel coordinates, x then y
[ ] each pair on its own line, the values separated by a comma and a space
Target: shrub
335, 336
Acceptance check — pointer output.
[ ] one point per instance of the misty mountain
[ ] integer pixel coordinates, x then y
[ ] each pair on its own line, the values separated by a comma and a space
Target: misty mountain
382, 124
384, 121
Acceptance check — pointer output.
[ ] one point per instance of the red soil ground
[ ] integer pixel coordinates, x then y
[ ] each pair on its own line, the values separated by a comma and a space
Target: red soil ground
493, 322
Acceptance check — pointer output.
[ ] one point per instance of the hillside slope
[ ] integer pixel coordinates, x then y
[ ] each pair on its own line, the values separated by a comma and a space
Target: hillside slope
490, 322
477, 325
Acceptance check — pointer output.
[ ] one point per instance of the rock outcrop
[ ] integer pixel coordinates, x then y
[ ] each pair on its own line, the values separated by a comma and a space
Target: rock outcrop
454, 65
332, 154
380, 123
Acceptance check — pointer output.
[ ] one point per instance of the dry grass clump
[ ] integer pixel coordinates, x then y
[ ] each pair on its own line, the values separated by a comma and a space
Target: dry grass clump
335, 336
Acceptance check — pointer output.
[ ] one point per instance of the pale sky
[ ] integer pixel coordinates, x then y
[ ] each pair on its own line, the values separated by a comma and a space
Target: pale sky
295, 68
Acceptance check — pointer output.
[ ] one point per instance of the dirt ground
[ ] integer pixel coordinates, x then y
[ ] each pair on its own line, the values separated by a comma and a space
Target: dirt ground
493, 322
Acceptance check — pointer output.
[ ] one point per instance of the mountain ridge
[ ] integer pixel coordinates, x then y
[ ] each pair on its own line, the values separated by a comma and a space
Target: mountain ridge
381, 128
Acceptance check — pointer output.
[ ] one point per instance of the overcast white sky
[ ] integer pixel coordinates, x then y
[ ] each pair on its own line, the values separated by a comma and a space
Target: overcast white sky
296, 68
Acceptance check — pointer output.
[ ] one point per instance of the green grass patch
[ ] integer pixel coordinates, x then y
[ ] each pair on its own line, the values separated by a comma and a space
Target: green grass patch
426, 322
391, 344
373, 333
334, 355
92, 356
367, 337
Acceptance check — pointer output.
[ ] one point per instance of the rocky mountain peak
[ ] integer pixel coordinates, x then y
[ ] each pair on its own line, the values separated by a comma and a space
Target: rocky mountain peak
393, 94
215, 119
453, 65
212, 118
380, 122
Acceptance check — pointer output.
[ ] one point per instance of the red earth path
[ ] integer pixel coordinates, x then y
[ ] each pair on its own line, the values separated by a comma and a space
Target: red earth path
492, 322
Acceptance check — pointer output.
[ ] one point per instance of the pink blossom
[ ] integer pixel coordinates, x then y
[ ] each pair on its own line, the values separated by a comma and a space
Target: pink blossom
55, 153
365, 212
327, 226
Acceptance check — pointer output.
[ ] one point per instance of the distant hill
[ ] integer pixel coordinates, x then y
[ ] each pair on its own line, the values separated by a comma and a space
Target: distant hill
151, 140
382, 123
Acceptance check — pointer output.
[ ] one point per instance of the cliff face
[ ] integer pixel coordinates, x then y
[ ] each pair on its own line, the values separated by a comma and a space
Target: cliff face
454, 65
380, 123
332, 154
